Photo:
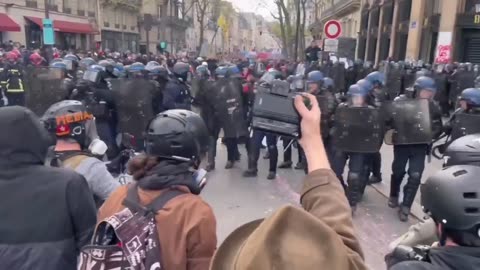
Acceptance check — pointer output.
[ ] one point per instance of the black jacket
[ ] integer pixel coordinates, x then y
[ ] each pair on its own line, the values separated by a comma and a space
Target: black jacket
446, 258
47, 213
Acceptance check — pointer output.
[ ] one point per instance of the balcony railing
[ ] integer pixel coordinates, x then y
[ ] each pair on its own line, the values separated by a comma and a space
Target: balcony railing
173, 21
340, 9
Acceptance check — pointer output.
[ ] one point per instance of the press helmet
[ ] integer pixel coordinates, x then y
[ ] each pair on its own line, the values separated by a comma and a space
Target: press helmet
463, 151
177, 134
452, 197
68, 120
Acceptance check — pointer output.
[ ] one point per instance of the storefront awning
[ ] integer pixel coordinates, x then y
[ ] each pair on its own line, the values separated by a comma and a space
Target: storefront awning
66, 27
7, 24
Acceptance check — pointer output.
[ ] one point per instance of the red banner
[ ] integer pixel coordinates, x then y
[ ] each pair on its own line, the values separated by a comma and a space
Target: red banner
443, 54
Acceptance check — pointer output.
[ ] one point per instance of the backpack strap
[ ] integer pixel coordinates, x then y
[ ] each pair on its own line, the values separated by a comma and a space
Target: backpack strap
132, 201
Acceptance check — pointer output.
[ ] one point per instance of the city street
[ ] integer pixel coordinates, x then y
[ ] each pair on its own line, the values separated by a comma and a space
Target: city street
237, 200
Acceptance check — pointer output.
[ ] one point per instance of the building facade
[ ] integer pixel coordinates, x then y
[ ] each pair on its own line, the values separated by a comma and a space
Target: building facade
74, 21
420, 30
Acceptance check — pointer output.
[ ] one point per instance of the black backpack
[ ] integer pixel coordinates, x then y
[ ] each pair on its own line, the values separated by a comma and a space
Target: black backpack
128, 239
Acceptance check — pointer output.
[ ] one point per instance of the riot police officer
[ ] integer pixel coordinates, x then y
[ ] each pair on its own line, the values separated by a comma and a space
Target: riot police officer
256, 139
411, 151
228, 111
204, 98
158, 75
177, 94
322, 88
466, 119
357, 98
378, 98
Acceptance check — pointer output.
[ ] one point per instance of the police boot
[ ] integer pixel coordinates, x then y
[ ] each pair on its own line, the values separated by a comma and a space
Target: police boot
285, 165
395, 183
300, 166
210, 167
375, 179
354, 189
252, 169
409, 193
229, 165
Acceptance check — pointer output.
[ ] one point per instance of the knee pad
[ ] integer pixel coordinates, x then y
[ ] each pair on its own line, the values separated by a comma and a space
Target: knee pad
415, 177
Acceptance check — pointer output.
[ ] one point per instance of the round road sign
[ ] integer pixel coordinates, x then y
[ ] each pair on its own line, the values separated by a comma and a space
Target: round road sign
332, 29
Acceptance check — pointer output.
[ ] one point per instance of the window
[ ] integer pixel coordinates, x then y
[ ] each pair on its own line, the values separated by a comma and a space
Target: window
471, 6
31, 3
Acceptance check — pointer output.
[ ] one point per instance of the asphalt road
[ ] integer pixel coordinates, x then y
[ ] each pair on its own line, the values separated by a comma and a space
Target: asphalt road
237, 200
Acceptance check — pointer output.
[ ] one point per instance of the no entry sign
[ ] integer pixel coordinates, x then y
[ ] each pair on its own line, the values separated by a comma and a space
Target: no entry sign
332, 29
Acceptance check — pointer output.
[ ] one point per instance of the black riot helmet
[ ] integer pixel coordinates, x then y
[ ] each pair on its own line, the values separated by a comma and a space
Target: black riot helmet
179, 135
452, 198
463, 151
181, 70
69, 119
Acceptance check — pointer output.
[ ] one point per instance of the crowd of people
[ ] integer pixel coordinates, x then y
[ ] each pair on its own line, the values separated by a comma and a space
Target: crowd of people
118, 113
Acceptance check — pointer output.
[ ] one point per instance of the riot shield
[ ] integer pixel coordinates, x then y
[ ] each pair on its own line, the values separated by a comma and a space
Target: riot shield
229, 108
114, 84
358, 130
463, 80
195, 87
43, 88
411, 122
133, 100
394, 80
465, 124
338, 76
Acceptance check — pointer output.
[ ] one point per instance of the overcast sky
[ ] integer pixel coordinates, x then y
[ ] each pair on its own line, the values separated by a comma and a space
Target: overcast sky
261, 7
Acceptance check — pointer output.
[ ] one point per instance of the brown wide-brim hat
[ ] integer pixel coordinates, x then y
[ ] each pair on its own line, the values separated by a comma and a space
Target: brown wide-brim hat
290, 239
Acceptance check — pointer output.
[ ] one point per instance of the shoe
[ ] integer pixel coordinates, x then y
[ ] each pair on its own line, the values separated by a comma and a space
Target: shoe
403, 213
375, 179
210, 167
229, 165
250, 173
267, 155
272, 175
300, 166
285, 165
393, 202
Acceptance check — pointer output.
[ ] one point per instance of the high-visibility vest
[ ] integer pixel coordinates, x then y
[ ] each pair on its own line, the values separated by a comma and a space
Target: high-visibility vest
15, 86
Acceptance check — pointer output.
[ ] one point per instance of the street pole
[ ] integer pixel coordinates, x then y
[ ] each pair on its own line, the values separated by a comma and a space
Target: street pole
48, 48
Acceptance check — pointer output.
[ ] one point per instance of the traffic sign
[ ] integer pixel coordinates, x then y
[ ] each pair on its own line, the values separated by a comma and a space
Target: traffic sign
48, 32
332, 29
330, 45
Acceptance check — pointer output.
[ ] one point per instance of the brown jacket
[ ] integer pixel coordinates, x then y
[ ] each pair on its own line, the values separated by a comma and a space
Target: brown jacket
323, 197
186, 227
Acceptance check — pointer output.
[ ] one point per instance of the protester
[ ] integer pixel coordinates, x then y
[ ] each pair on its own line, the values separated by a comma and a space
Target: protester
176, 142
47, 213
319, 235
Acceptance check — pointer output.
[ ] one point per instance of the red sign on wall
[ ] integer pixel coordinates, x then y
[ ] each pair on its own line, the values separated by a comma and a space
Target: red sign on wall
443, 54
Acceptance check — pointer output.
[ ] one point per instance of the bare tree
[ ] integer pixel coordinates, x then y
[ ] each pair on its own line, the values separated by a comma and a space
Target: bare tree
202, 8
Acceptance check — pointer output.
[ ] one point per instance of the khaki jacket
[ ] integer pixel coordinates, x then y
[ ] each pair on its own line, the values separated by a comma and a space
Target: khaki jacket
186, 227
323, 197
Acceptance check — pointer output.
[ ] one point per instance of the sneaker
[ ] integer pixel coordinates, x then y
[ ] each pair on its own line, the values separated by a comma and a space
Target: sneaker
250, 173
272, 175
229, 165
393, 202
285, 165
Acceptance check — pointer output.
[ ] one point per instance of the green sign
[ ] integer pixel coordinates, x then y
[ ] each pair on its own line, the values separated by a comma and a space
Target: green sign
163, 45
48, 32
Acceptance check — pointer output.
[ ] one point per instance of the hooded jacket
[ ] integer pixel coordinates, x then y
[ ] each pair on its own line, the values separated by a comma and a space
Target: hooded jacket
47, 213
446, 258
